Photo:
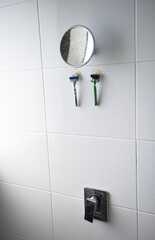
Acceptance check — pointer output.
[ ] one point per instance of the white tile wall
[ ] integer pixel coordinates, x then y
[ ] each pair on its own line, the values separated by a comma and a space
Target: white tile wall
104, 137
115, 115
146, 176
114, 32
146, 226
19, 33
146, 100
21, 101
24, 159
69, 223
26, 212
145, 30
78, 162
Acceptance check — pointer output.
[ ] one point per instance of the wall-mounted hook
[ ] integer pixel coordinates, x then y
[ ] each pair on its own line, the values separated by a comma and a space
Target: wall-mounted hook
96, 76
76, 75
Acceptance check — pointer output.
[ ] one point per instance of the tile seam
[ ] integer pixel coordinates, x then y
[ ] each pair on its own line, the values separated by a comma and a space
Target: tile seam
16, 3
45, 112
136, 116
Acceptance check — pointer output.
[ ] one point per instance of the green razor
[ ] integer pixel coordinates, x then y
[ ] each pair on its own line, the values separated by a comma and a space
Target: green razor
95, 79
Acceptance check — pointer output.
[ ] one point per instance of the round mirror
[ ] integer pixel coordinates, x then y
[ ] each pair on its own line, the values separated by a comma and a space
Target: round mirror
77, 46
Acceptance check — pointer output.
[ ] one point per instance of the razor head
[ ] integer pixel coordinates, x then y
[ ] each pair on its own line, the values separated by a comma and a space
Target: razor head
95, 76
74, 78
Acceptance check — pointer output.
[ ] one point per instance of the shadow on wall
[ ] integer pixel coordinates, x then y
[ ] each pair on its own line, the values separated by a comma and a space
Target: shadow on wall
3, 220
1, 213
2, 216
3, 205
111, 45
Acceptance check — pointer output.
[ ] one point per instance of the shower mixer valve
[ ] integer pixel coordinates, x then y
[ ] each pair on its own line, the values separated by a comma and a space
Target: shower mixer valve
95, 205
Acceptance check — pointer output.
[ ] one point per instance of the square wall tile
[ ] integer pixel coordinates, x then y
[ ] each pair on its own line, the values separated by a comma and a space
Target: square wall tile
24, 159
113, 117
146, 100
111, 21
78, 162
20, 47
146, 176
26, 212
22, 101
146, 226
145, 30
69, 222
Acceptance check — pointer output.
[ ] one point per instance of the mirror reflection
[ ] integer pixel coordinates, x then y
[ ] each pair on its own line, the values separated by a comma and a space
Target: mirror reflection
77, 46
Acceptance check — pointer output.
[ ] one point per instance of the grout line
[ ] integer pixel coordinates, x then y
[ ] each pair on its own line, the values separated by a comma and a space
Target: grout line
21, 131
125, 208
132, 209
112, 205
49, 173
91, 136
77, 135
41, 58
67, 68
25, 186
90, 65
50, 183
16, 3
136, 116
16, 235
82, 198
143, 140
102, 64
137, 199
58, 193
21, 70
135, 30
75, 197
146, 61
66, 195
70, 135
145, 212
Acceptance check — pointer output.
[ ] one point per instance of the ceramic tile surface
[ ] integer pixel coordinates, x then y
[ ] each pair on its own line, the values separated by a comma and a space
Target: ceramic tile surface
145, 30
19, 33
146, 177
26, 212
108, 147
97, 163
113, 32
146, 100
24, 159
121, 224
113, 117
146, 226
21, 101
